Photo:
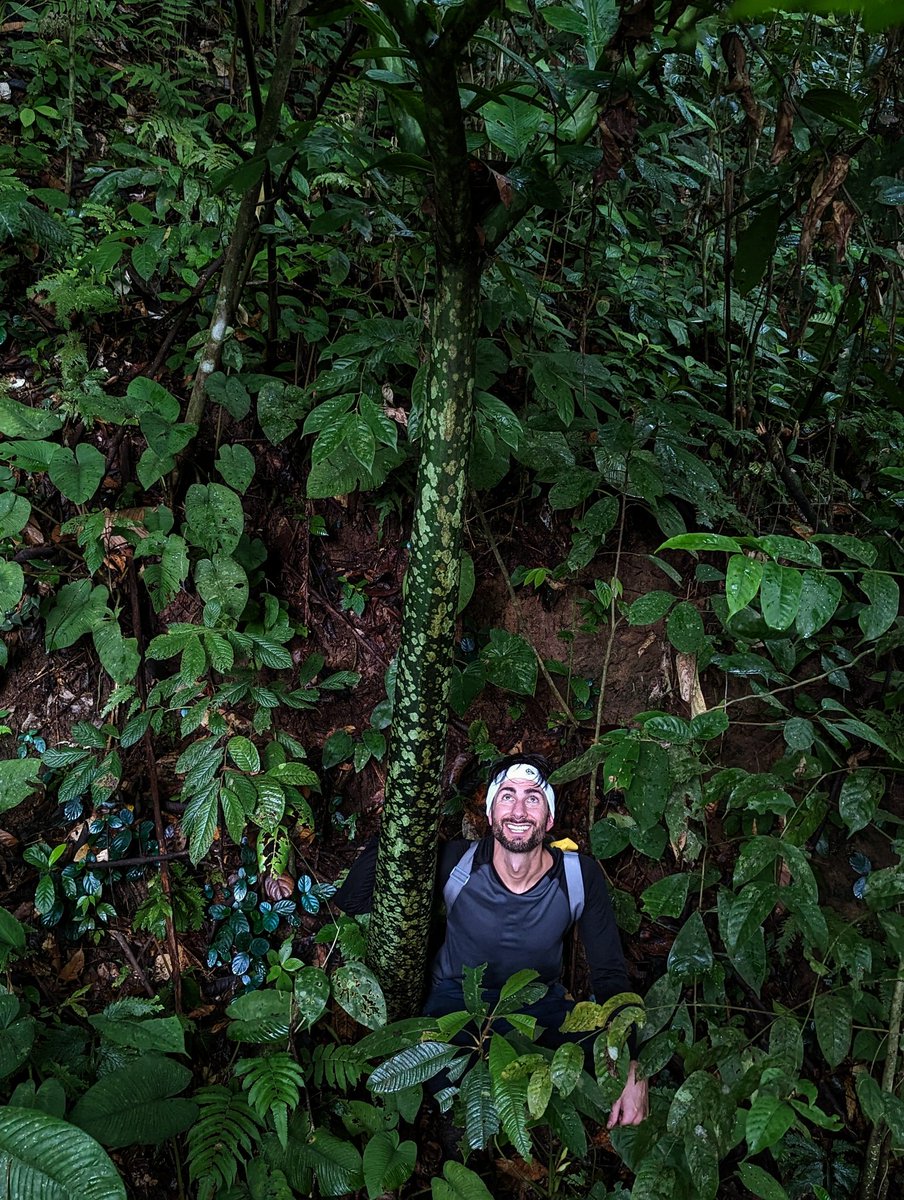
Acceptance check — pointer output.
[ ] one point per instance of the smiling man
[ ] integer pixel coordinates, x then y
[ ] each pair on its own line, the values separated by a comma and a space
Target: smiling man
511, 900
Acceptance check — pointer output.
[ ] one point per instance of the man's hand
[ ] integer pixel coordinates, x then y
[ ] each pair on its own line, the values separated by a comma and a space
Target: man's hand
633, 1105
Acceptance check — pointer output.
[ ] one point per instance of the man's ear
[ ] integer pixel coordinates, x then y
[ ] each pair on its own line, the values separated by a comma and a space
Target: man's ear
548, 820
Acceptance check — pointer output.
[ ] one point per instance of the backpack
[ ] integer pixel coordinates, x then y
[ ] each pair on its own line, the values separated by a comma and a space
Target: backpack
574, 880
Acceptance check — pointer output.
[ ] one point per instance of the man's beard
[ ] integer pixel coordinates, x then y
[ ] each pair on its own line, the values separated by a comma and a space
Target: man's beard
522, 845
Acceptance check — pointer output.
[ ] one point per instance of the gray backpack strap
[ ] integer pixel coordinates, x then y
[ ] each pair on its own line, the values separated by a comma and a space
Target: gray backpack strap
460, 875
574, 882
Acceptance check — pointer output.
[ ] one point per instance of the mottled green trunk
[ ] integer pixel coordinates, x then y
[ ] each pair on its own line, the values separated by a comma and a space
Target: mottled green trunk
406, 866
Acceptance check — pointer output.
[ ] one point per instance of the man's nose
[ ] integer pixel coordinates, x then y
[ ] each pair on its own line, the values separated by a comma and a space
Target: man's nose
519, 806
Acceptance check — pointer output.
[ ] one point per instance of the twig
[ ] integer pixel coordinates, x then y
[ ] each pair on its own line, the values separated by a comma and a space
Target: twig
133, 962
875, 1147
608, 658
550, 682
141, 860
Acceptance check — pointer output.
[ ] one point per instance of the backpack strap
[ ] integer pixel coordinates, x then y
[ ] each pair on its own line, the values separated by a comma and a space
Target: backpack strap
458, 877
574, 883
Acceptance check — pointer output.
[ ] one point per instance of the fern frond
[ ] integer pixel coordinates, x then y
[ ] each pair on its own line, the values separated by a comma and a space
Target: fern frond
273, 1083
132, 1006
337, 1066
223, 1137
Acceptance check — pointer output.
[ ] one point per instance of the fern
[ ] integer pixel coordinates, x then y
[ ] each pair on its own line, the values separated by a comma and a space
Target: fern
67, 293
337, 1066
223, 1137
132, 1006
273, 1083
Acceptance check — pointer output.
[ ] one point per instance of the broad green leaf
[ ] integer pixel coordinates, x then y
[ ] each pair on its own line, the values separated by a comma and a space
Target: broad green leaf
145, 259
512, 124
648, 794
411, 1066
214, 517
796, 550
799, 733
481, 1118
137, 1104
19, 420
708, 725
820, 596
691, 955
755, 248
220, 580
244, 754
119, 655
650, 607
539, 1091
78, 474
602, 18
780, 594
12, 584
199, 821
702, 1156
18, 779
510, 1098
77, 609
260, 1017
860, 795
884, 599
833, 1018
742, 581
850, 546
685, 628
668, 727
768, 1120
387, 1163
356, 989
761, 1183
607, 839
566, 1066
163, 1035
236, 465
459, 1183
667, 897
45, 1158
14, 513
335, 1162
510, 663
702, 541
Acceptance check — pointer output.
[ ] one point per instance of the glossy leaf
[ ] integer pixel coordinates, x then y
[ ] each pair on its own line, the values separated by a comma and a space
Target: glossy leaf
780, 595
691, 955
819, 598
859, 798
356, 989
45, 1158
884, 601
685, 628
743, 577
833, 1017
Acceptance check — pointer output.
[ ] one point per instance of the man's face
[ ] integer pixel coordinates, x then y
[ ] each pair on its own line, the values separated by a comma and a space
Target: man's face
520, 816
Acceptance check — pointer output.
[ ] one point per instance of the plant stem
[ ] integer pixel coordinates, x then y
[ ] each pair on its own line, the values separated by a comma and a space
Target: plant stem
875, 1147
613, 617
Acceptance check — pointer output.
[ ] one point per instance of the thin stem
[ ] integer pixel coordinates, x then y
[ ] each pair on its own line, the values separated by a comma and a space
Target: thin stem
604, 676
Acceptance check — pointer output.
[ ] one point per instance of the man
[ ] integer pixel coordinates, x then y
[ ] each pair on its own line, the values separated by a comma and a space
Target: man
512, 910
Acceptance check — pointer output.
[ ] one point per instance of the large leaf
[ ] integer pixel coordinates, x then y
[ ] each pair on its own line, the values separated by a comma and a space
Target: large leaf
411, 1066
44, 1158
18, 779
78, 609
860, 795
311, 991
743, 577
481, 1118
387, 1163
780, 595
357, 990
165, 1035
691, 955
335, 1161
77, 474
137, 1104
884, 599
222, 581
459, 1183
510, 662
12, 584
768, 1120
820, 596
833, 1027
215, 518
14, 513
260, 1017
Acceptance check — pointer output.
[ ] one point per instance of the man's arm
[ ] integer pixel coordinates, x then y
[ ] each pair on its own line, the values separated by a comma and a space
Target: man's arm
357, 893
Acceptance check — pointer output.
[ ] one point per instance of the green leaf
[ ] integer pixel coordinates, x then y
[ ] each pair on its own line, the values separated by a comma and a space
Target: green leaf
691, 955
214, 517
648, 794
708, 725
667, 897
199, 821
650, 607
761, 1183
45, 1158
356, 989
14, 513
119, 655
459, 1183
260, 1017
702, 541
466, 583
743, 577
566, 1066
820, 596
338, 748
236, 465
768, 1120
18, 779
539, 1091
311, 989
78, 609
220, 580
833, 1018
164, 1035
481, 1118
510, 663
19, 420
780, 594
411, 1066
244, 754
12, 585
799, 733
137, 1104
607, 839
884, 599
387, 1163
667, 727
860, 795
335, 1161
755, 248
145, 259
510, 1098
78, 474
849, 546
512, 124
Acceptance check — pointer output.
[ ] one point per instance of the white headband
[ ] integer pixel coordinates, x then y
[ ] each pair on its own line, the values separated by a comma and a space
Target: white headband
520, 773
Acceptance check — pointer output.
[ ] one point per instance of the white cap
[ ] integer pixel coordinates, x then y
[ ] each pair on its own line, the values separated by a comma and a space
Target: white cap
520, 772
